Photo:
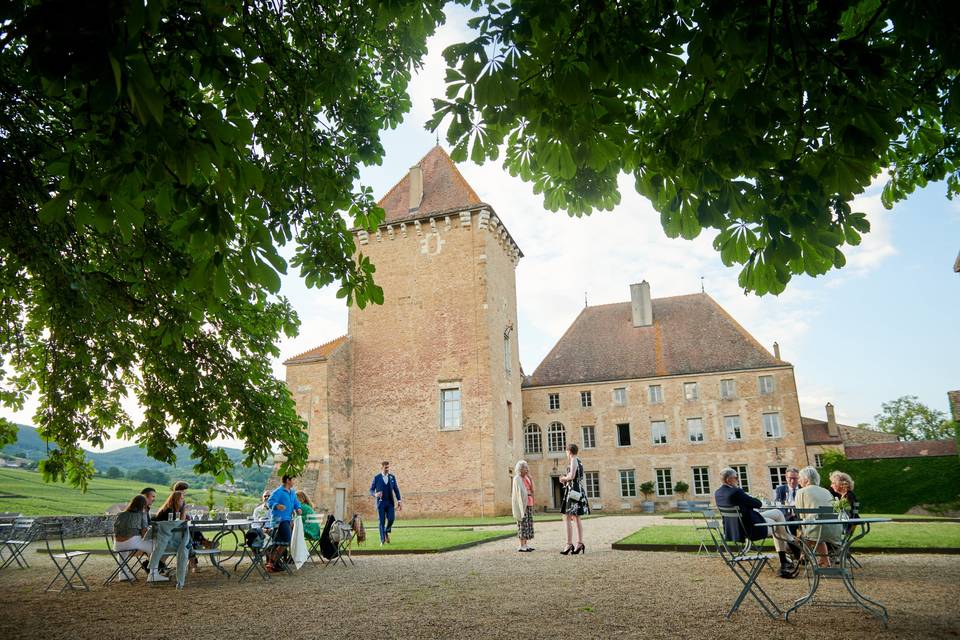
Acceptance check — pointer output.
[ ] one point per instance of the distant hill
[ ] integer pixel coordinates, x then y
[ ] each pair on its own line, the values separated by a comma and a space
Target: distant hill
31, 446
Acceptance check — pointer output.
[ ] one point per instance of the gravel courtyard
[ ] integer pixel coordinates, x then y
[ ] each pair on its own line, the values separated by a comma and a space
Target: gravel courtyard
488, 591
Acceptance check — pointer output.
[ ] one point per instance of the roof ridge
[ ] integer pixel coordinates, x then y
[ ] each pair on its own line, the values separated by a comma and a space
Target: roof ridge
317, 348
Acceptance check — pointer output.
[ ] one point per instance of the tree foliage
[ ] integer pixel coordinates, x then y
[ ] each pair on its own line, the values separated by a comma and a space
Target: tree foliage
910, 419
154, 157
762, 120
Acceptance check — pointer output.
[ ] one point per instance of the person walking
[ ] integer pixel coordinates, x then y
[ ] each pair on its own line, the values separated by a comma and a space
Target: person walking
384, 488
575, 502
521, 500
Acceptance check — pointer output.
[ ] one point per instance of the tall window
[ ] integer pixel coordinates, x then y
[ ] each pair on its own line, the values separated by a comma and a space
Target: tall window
655, 392
586, 399
553, 401
766, 385
591, 483
664, 482
771, 425
741, 470
778, 476
731, 424
628, 483
556, 437
589, 436
531, 439
728, 389
658, 429
450, 408
506, 352
701, 481
695, 429
620, 396
623, 435
690, 391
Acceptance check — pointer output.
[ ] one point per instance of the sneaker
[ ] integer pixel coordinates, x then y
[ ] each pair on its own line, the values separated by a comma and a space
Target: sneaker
157, 577
386, 538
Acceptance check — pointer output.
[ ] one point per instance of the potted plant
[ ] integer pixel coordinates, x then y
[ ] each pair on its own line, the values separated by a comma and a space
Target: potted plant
681, 488
647, 490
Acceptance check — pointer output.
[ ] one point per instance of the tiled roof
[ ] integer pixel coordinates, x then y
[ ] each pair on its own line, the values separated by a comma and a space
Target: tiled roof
690, 334
915, 449
859, 435
318, 353
444, 189
815, 432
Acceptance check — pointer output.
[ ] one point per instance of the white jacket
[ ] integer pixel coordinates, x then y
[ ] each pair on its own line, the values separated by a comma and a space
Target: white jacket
518, 499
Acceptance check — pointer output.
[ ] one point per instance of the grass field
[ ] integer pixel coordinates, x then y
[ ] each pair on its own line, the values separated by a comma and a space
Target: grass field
921, 535
403, 523
25, 492
898, 516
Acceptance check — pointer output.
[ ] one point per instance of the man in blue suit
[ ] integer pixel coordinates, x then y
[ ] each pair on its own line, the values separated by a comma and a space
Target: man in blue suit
787, 493
731, 495
384, 488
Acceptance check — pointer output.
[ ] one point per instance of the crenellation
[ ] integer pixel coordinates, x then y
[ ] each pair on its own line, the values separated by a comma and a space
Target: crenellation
379, 236
465, 219
416, 225
446, 223
363, 236
390, 231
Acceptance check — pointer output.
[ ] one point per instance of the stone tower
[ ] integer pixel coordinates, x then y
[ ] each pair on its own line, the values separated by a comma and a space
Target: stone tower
430, 380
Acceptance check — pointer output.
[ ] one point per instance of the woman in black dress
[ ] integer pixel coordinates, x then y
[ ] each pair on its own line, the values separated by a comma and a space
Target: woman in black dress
574, 502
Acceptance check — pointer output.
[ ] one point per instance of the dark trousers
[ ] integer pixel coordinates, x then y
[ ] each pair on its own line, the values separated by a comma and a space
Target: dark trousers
386, 513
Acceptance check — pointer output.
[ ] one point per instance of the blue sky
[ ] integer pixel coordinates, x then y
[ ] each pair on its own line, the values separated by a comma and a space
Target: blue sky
885, 326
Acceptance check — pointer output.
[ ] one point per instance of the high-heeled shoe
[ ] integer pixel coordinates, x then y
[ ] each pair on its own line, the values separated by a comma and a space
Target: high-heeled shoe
567, 550
580, 547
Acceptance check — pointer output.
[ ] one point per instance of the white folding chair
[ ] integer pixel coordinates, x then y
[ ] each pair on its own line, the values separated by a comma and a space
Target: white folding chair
68, 563
21, 535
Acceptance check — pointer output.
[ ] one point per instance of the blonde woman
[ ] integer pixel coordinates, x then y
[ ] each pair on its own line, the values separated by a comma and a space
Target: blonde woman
521, 500
841, 486
574, 502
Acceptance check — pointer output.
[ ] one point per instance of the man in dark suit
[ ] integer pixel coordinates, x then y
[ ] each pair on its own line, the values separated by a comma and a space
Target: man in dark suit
731, 495
384, 488
787, 493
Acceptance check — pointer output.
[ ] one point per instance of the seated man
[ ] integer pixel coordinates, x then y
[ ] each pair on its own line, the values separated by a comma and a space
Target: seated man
810, 496
731, 495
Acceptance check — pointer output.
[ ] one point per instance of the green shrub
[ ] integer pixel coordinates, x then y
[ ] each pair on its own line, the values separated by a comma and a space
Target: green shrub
894, 485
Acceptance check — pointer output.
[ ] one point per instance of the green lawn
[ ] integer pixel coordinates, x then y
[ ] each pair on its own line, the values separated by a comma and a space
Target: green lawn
25, 492
404, 523
888, 534
898, 516
426, 539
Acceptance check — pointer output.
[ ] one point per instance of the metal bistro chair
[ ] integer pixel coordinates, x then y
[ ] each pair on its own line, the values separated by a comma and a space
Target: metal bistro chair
819, 513
711, 521
344, 544
744, 562
7, 518
21, 535
127, 564
212, 553
316, 556
68, 563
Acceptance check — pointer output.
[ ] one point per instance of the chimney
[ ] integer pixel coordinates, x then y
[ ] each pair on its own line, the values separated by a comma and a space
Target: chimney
776, 350
832, 422
640, 306
416, 187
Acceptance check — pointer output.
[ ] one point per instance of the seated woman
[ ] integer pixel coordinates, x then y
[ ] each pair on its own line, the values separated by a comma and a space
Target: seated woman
811, 495
841, 486
311, 530
128, 531
176, 504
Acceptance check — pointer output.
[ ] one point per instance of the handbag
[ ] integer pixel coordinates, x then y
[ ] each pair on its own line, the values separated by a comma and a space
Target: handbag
574, 496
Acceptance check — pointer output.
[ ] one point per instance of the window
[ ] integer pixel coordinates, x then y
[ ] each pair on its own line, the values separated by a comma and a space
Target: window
450, 408
664, 482
701, 481
731, 424
589, 436
556, 438
620, 396
506, 351
728, 389
623, 435
656, 394
553, 401
771, 425
818, 460
531, 439
766, 385
741, 470
591, 484
628, 483
778, 476
690, 391
586, 399
695, 429
659, 430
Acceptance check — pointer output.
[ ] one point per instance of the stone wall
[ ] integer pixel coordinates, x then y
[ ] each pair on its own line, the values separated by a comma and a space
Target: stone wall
75, 526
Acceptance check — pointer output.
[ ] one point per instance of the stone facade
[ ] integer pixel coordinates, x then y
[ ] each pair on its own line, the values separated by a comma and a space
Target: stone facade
679, 455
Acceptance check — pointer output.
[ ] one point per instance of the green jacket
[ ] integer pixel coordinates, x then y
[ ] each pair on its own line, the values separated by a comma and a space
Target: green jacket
311, 530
